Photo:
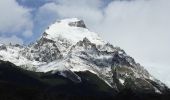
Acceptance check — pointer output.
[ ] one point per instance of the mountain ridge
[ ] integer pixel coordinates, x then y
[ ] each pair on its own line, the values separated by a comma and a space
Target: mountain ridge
68, 46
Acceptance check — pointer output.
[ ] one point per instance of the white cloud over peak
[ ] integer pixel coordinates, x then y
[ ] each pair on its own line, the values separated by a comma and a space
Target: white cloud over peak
87, 10
15, 18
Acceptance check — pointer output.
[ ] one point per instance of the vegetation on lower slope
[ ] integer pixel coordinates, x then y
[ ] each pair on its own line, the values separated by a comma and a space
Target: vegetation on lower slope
19, 84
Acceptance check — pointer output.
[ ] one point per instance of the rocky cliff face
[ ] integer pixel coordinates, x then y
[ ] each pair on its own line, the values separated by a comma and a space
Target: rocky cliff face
67, 46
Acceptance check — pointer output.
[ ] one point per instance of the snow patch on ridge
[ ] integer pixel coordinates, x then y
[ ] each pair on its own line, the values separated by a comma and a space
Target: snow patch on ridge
73, 34
122, 81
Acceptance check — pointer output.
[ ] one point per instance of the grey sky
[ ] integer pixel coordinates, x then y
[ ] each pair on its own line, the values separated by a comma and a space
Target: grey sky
140, 27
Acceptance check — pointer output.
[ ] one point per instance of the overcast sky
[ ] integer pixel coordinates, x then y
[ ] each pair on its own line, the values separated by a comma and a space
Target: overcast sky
140, 27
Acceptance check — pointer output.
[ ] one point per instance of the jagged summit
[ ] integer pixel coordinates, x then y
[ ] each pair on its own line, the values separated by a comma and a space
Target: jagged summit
69, 20
73, 22
67, 46
72, 30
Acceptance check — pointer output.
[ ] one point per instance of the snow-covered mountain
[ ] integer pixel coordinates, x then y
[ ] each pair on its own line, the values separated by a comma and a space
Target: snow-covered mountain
68, 46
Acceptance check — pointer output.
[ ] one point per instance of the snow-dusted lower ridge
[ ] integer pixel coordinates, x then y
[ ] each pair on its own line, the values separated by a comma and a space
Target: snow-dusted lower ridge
67, 46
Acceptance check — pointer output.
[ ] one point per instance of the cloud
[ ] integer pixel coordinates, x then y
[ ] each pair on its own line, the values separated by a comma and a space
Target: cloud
13, 40
140, 27
88, 10
14, 18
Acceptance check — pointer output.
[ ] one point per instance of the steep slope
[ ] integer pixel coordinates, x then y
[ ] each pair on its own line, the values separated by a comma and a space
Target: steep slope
67, 47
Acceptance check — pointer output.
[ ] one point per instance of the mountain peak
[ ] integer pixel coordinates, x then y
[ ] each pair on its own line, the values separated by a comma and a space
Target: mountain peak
68, 46
73, 22
68, 20
72, 30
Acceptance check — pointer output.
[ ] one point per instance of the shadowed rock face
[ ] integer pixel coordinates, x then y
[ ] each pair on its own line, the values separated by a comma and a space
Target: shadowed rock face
3, 47
78, 24
125, 73
44, 50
